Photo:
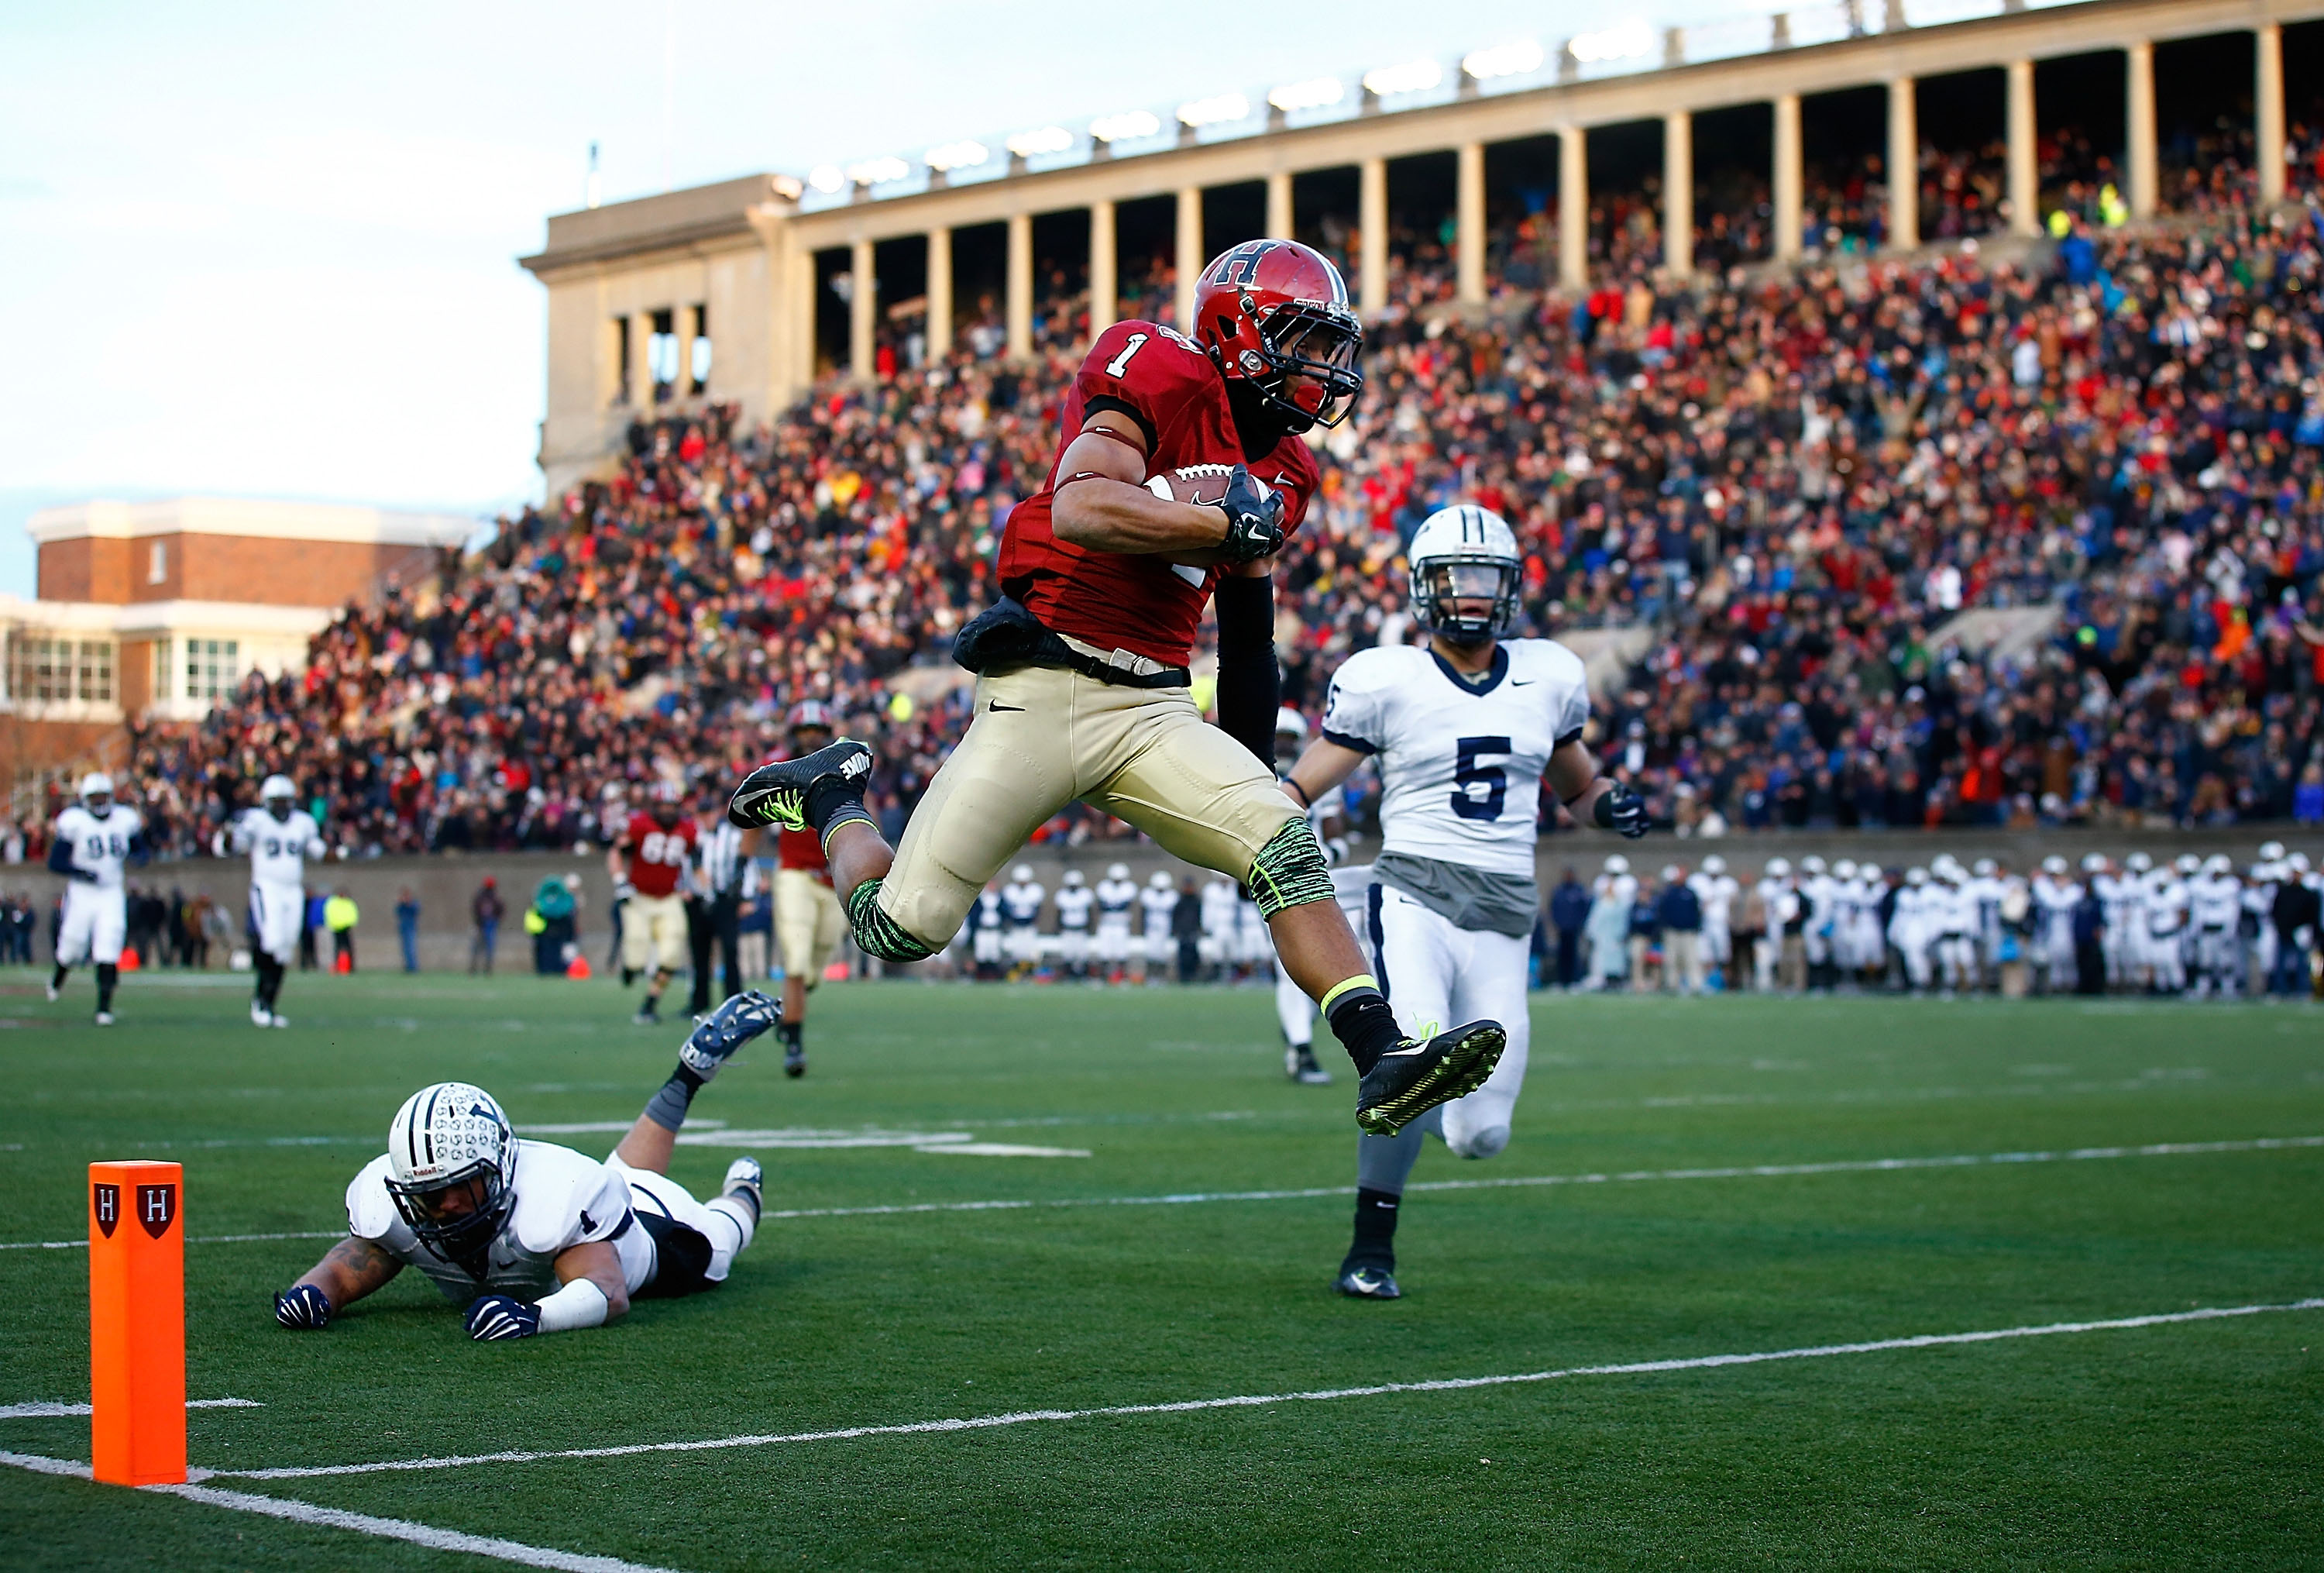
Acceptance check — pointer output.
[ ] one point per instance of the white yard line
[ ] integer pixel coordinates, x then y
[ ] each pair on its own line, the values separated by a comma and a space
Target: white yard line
31, 1411
1254, 1401
1188, 1198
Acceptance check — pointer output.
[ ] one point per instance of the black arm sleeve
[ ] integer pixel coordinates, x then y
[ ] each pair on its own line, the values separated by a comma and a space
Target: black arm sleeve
1251, 689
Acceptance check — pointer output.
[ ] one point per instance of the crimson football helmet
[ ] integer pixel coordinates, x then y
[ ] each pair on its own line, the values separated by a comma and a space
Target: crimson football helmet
1274, 314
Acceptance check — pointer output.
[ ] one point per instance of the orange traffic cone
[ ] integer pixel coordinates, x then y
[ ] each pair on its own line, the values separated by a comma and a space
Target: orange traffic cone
344, 964
129, 960
580, 971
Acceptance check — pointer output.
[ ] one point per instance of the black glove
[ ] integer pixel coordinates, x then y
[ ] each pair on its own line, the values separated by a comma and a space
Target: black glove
1621, 810
302, 1304
1254, 518
501, 1316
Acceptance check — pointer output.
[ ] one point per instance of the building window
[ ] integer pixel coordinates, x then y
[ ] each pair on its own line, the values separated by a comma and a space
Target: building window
43, 669
161, 669
157, 564
96, 671
211, 668
661, 358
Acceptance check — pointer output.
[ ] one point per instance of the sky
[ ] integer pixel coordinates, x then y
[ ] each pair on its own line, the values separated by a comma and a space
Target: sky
268, 250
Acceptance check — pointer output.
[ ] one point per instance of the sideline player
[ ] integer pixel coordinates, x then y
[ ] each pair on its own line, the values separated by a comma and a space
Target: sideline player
1020, 913
807, 919
1295, 1013
1156, 943
1082, 680
534, 1237
93, 838
279, 839
1466, 730
650, 859
1074, 900
1718, 890
1116, 896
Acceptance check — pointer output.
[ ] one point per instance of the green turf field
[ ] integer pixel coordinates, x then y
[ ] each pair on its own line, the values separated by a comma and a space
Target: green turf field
2182, 1444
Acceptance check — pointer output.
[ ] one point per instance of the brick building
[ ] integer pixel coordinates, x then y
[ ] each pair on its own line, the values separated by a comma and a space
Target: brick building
161, 608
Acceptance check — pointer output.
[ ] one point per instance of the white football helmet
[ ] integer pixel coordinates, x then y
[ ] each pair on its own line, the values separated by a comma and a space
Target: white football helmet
1290, 722
1917, 875
1845, 868
1869, 872
2094, 863
2271, 852
2218, 863
97, 792
2188, 864
1777, 868
1617, 863
1116, 872
2054, 865
1811, 863
1464, 554
2138, 863
279, 796
1670, 873
1985, 868
1714, 864
1021, 874
452, 1136
1073, 879
1160, 881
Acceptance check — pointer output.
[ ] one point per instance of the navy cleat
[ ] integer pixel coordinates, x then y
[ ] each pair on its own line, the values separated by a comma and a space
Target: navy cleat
745, 1176
795, 1059
1367, 1280
1299, 1065
1412, 1079
726, 1029
777, 793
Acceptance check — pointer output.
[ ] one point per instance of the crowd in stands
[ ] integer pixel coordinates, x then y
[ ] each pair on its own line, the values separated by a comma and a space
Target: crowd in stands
1797, 482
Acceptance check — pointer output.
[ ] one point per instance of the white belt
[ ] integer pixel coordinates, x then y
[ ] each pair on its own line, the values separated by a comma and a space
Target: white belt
1125, 660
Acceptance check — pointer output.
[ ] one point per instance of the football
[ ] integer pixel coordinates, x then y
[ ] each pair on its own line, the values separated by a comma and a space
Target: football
1204, 484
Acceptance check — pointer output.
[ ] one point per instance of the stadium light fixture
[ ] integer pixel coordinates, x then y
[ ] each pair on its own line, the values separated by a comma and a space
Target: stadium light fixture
1026, 145
1506, 60
1412, 77
1625, 40
1317, 94
826, 178
958, 155
1217, 110
878, 171
787, 187
1127, 127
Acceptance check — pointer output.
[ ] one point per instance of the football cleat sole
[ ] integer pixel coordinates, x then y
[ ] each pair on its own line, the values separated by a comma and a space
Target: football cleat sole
775, 794
1368, 1283
717, 1035
1449, 1065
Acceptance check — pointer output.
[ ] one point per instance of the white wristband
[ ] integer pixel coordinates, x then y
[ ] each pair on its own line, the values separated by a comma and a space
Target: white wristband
579, 1304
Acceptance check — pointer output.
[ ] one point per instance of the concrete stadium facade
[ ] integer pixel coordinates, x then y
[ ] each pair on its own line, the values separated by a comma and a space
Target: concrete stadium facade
743, 254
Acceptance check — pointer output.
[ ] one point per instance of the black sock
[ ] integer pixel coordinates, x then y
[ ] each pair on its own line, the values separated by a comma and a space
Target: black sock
832, 800
1364, 1026
1375, 1243
108, 975
792, 1034
59, 980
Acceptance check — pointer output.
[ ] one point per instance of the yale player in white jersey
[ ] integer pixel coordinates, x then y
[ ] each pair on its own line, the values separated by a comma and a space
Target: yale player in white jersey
1116, 896
1159, 904
95, 838
1718, 890
279, 839
1465, 730
530, 1237
1074, 900
1295, 1013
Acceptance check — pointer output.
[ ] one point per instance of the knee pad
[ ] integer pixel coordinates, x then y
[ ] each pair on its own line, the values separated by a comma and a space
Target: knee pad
1485, 1144
879, 934
1289, 870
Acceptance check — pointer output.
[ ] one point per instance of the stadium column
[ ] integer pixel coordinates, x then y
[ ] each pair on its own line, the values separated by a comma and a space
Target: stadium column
1190, 254
1573, 207
610, 388
1787, 178
862, 311
1371, 224
1469, 220
2025, 184
1903, 167
939, 293
1278, 205
1678, 192
1020, 285
2138, 141
2267, 112
1104, 270
640, 368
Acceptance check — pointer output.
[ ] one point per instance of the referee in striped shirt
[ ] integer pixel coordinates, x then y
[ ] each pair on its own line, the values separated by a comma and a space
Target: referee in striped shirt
722, 869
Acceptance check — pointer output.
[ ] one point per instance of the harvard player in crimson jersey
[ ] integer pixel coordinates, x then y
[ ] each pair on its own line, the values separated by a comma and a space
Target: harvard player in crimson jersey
1082, 690
650, 858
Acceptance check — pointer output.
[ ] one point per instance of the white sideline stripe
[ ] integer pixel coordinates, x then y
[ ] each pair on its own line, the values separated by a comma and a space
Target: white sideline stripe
1186, 1199
1314, 1396
1743, 1171
392, 1529
33, 1412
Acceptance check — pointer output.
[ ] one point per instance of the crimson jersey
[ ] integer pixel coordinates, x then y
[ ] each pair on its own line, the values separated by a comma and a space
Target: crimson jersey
803, 850
659, 857
1166, 382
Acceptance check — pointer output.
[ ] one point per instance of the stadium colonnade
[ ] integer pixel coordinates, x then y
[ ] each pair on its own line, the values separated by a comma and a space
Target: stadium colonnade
775, 262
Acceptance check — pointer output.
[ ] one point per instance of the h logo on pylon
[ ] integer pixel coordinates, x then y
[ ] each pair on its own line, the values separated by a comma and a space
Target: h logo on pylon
157, 1205
108, 1202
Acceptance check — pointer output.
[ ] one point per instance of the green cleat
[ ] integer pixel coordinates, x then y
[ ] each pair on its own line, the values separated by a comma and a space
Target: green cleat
1412, 1079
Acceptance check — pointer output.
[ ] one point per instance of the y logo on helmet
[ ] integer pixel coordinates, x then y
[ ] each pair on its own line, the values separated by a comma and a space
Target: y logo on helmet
1241, 266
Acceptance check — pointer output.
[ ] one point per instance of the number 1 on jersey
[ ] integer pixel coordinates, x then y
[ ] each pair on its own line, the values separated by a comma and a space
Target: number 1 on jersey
1120, 363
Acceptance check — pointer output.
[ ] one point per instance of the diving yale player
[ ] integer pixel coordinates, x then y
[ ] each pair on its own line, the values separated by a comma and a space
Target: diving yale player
93, 838
530, 1237
279, 839
1465, 731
